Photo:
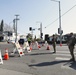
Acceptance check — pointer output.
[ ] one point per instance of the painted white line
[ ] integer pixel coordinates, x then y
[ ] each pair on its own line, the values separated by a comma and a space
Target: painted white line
62, 51
61, 58
63, 54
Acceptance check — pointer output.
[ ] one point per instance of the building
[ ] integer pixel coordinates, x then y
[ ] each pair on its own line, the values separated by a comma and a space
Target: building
10, 35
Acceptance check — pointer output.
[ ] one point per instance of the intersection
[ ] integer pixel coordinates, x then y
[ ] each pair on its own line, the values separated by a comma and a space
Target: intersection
41, 62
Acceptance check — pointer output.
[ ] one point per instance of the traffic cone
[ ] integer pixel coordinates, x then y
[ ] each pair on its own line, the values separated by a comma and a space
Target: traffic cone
48, 48
6, 56
42, 44
60, 44
30, 48
39, 46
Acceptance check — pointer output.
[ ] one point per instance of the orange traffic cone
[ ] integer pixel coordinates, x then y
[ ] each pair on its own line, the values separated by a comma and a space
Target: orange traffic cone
39, 46
30, 48
6, 56
42, 44
48, 48
60, 44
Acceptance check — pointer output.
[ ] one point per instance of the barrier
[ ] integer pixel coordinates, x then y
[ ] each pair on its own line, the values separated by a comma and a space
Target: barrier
19, 49
28, 49
1, 60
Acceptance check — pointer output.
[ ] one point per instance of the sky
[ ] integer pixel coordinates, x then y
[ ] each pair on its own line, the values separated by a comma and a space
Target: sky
33, 12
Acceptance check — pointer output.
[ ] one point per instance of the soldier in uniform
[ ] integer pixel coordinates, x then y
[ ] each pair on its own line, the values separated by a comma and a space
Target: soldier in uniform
71, 44
54, 43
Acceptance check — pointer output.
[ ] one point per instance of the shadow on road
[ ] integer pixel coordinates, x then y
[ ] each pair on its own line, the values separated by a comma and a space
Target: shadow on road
72, 64
48, 63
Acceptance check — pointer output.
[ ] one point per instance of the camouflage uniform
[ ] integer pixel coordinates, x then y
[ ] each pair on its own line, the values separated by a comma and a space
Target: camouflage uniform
71, 44
54, 43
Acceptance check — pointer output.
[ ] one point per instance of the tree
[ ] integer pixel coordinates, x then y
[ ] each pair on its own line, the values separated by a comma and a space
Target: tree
7, 27
1, 26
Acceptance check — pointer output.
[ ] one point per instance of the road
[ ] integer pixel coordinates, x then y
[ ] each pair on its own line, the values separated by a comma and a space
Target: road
39, 62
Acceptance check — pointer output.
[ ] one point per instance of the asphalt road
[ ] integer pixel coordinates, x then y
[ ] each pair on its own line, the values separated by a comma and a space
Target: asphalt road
38, 62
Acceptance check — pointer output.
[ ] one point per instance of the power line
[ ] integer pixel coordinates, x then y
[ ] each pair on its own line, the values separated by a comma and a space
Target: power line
61, 16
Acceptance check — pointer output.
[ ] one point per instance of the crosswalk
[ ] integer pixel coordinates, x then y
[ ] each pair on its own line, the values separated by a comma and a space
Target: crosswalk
63, 53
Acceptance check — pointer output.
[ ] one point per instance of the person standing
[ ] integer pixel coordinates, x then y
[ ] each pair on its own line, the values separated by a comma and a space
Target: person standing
54, 43
71, 44
29, 41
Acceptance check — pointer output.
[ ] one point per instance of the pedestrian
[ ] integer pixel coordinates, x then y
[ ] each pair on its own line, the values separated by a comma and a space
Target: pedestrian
29, 41
71, 44
54, 43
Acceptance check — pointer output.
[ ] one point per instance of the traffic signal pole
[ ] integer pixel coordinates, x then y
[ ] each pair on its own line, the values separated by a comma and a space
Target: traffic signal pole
60, 24
16, 25
60, 30
41, 31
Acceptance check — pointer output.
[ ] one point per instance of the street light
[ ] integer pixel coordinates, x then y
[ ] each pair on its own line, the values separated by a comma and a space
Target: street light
60, 31
16, 25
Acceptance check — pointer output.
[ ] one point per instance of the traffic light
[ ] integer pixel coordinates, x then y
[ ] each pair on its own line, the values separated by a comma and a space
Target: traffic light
46, 37
41, 35
61, 31
30, 28
58, 30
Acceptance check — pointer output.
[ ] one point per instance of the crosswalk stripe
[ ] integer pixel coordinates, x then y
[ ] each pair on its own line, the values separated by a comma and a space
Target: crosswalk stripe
63, 52
62, 58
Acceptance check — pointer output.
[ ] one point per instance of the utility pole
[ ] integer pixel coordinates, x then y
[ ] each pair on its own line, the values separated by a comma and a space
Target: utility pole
16, 25
60, 24
14, 28
60, 30
40, 29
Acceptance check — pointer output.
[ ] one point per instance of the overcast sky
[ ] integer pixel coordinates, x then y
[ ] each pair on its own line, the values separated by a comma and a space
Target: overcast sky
46, 11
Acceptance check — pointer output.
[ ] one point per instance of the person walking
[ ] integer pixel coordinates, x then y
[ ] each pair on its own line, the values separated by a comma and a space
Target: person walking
71, 44
54, 43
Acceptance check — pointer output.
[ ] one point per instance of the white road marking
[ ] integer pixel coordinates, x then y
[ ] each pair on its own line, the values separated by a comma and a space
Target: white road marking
62, 58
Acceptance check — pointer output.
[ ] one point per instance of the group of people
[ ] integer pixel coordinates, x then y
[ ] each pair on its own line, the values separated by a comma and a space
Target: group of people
70, 42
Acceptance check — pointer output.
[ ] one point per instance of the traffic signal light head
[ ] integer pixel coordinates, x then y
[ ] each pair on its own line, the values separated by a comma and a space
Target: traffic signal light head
30, 28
